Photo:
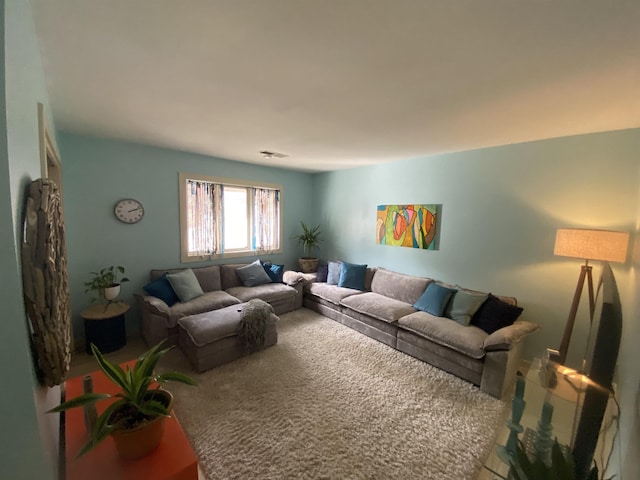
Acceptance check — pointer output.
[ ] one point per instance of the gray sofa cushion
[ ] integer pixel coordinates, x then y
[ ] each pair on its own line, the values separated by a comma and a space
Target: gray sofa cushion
212, 326
268, 292
208, 277
204, 303
398, 286
330, 293
443, 331
378, 306
208, 327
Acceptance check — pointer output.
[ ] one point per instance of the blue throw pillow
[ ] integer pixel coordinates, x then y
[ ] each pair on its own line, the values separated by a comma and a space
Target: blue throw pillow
352, 276
274, 271
434, 299
162, 289
253, 274
333, 273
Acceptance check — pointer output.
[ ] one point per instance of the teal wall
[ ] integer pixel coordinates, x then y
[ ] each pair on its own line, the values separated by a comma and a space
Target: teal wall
500, 210
28, 438
98, 172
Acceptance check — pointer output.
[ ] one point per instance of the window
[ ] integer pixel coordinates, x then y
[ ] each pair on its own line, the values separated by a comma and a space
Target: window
225, 217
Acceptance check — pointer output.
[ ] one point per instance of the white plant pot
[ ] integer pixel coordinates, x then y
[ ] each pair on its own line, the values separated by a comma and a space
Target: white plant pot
111, 293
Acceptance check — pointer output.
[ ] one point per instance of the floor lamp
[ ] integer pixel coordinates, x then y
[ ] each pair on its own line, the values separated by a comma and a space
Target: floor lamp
602, 245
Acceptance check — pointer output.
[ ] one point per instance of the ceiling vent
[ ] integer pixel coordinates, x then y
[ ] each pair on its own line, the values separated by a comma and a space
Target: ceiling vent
268, 154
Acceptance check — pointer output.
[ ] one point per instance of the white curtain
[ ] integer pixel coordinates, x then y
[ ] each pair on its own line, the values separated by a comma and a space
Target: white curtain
266, 219
201, 215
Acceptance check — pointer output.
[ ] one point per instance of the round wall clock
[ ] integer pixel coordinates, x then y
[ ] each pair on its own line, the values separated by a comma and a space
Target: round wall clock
129, 210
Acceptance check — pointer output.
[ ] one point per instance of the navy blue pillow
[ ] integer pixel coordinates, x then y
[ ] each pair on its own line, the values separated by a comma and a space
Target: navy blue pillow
323, 273
434, 299
162, 289
495, 314
274, 271
352, 276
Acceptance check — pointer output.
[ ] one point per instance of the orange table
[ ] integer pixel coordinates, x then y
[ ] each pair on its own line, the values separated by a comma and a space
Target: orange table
172, 460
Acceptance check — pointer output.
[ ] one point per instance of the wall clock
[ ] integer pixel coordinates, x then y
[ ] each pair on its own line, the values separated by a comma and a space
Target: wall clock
129, 210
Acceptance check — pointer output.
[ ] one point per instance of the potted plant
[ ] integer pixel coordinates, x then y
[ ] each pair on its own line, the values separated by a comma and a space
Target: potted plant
135, 419
309, 239
558, 465
106, 283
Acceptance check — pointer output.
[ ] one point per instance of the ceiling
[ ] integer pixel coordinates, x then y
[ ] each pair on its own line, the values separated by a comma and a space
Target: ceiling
339, 83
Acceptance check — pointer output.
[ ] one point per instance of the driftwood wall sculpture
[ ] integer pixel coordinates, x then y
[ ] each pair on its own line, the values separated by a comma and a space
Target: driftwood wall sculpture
46, 282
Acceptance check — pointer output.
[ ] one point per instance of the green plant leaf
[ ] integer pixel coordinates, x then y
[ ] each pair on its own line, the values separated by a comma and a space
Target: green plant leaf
175, 377
562, 465
154, 408
102, 429
113, 371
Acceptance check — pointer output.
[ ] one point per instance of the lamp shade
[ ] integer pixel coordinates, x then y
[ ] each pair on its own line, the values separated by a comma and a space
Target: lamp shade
603, 245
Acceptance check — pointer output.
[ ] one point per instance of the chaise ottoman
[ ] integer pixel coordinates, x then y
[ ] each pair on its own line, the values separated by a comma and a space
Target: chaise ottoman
210, 339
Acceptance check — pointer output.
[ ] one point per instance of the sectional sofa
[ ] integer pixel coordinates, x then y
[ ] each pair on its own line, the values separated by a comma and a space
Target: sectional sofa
221, 287
383, 308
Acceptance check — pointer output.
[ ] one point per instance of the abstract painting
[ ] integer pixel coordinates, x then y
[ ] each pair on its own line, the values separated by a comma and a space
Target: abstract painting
411, 226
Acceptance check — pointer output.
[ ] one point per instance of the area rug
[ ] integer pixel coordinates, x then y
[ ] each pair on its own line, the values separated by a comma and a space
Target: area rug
327, 402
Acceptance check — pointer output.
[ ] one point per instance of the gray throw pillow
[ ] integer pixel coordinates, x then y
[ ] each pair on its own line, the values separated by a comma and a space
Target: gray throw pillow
253, 274
463, 305
185, 284
333, 275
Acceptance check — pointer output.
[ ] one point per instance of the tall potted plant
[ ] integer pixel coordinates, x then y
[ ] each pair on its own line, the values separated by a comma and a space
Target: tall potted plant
309, 239
135, 419
106, 283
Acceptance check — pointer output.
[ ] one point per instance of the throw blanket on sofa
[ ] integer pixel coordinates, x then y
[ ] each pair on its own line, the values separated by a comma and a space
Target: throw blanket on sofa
253, 323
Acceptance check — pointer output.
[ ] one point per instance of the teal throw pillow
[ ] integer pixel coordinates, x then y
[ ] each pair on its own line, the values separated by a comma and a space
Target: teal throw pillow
352, 276
253, 274
333, 273
274, 271
185, 284
434, 299
463, 305
162, 289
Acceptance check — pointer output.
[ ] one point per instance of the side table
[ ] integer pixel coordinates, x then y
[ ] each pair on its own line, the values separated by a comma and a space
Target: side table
558, 390
104, 326
172, 460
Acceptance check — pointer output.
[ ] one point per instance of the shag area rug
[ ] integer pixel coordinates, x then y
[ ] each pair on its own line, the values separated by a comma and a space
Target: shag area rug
327, 402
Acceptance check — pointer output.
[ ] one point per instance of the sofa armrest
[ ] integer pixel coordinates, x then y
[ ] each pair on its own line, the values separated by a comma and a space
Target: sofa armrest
504, 338
291, 277
154, 305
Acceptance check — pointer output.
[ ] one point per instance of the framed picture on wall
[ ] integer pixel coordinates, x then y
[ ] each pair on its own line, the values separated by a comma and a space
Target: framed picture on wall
413, 226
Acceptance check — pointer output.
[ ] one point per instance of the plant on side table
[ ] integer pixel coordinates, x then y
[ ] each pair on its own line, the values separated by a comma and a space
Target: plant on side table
135, 419
309, 239
106, 283
558, 465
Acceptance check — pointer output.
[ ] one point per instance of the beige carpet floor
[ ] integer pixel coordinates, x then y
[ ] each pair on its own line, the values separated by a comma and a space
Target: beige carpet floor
327, 402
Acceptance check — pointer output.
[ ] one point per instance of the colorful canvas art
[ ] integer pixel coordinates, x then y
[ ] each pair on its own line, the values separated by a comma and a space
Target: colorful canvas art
406, 226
